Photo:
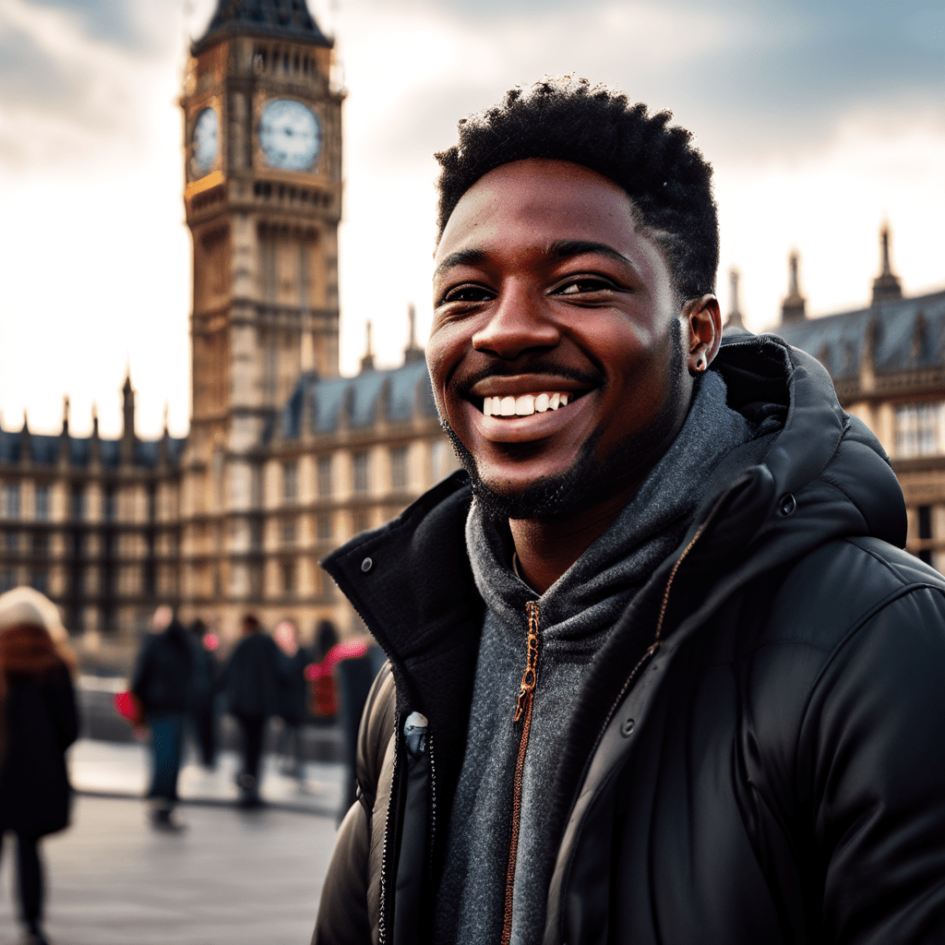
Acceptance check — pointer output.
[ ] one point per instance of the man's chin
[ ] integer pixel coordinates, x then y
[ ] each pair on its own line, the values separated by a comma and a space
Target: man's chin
548, 497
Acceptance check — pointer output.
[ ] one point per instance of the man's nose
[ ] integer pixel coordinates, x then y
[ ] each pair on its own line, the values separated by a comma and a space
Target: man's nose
518, 322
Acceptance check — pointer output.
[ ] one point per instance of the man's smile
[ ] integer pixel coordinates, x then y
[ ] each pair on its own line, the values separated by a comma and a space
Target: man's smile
525, 394
524, 405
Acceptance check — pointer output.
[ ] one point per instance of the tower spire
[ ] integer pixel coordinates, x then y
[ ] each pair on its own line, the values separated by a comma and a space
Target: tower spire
413, 351
794, 306
734, 319
128, 420
886, 286
367, 362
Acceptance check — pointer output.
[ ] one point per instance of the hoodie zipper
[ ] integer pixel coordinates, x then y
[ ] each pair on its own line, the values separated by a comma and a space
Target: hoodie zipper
523, 714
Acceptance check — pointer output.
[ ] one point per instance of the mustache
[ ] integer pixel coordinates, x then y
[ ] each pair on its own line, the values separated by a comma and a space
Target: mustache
463, 385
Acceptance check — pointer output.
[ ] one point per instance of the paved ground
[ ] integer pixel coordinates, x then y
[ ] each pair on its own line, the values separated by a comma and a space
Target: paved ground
121, 770
320, 742
232, 878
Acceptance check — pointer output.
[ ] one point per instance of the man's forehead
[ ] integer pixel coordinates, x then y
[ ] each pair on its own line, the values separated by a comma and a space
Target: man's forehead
568, 201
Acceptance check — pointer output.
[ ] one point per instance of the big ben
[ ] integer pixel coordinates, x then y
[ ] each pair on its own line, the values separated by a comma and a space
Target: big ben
262, 160
263, 202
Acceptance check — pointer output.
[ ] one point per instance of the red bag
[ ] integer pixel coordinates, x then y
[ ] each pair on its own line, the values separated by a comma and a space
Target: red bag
129, 707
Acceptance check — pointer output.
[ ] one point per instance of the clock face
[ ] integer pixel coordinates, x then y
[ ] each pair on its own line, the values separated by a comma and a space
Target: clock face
290, 135
205, 142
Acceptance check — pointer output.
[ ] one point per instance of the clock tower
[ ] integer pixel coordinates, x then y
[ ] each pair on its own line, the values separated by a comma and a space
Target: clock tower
262, 132
262, 164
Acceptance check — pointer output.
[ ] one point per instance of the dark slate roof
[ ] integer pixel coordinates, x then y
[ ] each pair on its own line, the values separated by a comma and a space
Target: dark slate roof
286, 19
44, 450
908, 335
398, 392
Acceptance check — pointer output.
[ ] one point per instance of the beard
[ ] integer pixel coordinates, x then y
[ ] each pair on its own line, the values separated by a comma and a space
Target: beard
589, 479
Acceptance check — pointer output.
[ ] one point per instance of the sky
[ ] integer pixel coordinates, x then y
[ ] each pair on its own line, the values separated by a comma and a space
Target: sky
822, 118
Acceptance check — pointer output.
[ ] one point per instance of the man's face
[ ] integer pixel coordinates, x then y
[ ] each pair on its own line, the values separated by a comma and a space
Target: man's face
546, 293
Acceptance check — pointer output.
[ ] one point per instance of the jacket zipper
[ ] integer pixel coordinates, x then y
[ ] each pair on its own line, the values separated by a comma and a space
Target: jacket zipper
386, 849
383, 923
523, 714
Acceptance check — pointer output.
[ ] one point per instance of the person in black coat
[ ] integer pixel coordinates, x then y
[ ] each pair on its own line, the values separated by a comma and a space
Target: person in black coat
163, 681
253, 680
293, 697
39, 722
204, 692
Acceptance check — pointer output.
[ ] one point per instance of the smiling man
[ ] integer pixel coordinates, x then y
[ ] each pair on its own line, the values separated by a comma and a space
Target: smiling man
657, 670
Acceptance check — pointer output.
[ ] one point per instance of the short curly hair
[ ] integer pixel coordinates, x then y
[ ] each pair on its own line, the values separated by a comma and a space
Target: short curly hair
567, 119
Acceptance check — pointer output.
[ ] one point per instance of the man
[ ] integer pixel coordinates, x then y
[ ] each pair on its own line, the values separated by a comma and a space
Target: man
163, 681
253, 680
658, 671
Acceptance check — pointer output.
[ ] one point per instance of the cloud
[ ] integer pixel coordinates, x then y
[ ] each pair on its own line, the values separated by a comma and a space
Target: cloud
73, 79
752, 80
107, 21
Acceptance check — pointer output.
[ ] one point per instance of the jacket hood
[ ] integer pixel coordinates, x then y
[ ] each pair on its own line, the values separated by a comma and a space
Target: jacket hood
823, 476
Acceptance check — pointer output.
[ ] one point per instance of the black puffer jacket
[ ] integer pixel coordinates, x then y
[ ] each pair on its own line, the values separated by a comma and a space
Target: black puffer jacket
758, 751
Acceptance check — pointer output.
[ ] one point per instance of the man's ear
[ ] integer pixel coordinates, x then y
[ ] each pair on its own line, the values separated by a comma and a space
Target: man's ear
703, 319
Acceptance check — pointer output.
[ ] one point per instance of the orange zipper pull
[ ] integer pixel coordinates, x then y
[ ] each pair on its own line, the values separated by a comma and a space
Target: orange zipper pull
530, 676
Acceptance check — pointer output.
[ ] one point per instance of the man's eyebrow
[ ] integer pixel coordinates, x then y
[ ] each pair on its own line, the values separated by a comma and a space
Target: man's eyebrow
562, 249
566, 248
463, 257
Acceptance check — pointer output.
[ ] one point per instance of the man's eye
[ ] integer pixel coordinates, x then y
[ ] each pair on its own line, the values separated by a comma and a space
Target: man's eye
584, 285
468, 293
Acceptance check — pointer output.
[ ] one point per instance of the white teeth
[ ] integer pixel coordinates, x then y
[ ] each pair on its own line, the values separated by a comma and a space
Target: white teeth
524, 405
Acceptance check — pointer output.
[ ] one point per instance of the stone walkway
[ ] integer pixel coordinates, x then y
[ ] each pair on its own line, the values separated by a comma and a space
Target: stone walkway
112, 769
231, 878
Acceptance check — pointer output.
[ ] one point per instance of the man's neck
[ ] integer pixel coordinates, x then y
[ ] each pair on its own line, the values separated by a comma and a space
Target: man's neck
547, 548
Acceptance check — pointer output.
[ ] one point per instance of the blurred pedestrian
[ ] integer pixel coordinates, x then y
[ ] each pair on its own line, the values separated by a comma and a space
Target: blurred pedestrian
293, 698
163, 681
39, 721
353, 664
204, 692
253, 679
326, 636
